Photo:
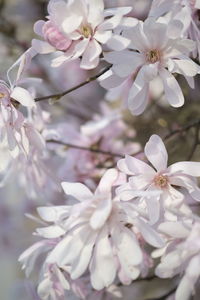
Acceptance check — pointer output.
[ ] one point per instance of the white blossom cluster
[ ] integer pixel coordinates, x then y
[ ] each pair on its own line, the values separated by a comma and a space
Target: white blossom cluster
124, 218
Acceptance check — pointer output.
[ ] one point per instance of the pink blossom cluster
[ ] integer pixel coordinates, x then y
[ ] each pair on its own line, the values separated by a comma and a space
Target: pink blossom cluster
111, 213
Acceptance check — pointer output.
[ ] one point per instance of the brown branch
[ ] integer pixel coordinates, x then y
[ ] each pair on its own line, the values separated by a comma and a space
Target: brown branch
182, 129
85, 148
59, 95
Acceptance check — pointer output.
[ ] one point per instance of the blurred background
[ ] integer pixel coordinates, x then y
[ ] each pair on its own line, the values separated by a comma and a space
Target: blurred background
16, 32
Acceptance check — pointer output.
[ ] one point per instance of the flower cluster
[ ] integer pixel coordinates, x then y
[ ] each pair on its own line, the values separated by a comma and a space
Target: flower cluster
114, 214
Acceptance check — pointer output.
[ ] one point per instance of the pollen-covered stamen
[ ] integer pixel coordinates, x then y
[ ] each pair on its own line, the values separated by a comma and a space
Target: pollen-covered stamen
2, 95
161, 181
153, 56
86, 31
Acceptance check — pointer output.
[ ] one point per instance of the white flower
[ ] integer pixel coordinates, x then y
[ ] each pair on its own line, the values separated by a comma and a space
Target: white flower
161, 178
153, 51
183, 257
78, 28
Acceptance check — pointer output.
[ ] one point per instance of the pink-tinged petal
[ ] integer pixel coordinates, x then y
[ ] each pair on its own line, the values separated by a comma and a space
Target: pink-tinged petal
139, 102
118, 42
110, 80
101, 213
156, 153
122, 166
95, 12
22, 96
102, 36
126, 56
107, 181
137, 166
92, 52
42, 47
188, 183
155, 33
62, 250
141, 181
103, 265
38, 27
28, 258
58, 61
186, 286
149, 234
173, 92
128, 250
122, 10
174, 229
50, 232
77, 190
186, 167
186, 67
51, 213
110, 23
80, 265
153, 208
78, 48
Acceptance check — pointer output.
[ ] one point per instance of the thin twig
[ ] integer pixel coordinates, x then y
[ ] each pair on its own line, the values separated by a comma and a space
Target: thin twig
182, 129
85, 148
59, 95
195, 144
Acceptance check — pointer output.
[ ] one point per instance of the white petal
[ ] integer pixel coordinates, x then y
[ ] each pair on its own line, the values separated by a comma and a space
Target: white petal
150, 235
118, 42
22, 96
42, 47
156, 153
186, 167
111, 23
173, 92
103, 265
107, 181
90, 55
77, 190
137, 166
38, 27
101, 213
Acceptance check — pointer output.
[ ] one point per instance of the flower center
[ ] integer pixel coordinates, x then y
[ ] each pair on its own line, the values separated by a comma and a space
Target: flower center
153, 56
86, 31
161, 181
2, 95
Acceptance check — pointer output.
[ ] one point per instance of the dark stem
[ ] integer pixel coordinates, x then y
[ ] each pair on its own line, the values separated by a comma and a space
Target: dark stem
59, 95
85, 148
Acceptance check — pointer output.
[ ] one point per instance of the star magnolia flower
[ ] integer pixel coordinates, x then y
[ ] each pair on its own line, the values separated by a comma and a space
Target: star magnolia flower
78, 28
96, 234
183, 257
160, 52
179, 10
165, 179
15, 129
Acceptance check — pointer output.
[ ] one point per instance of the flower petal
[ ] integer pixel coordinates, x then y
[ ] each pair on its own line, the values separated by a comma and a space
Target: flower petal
156, 153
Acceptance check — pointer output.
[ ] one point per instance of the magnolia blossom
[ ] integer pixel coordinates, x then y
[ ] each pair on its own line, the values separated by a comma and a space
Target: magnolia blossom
159, 177
78, 28
187, 10
156, 50
182, 257
96, 235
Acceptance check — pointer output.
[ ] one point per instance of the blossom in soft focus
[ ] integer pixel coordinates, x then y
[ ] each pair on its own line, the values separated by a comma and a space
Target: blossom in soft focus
156, 50
182, 257
159, 177
78, 28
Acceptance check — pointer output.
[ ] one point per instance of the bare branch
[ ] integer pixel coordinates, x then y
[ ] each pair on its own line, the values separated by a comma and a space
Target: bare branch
59, 95
85, 148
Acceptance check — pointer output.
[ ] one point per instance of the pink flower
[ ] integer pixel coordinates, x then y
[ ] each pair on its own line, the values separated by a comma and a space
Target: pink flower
161, 178
154, 52
78, 28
